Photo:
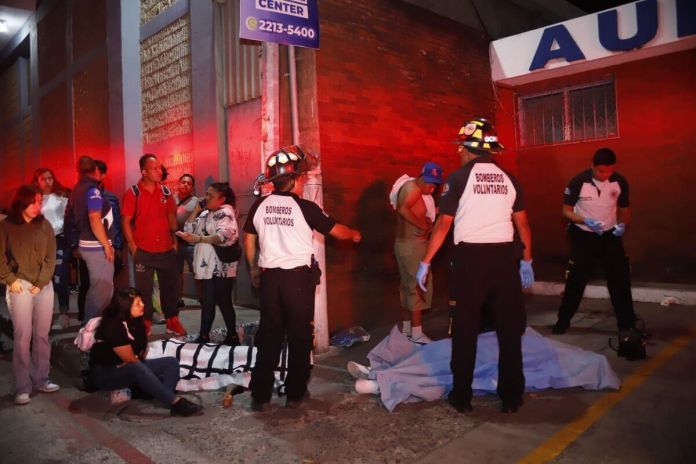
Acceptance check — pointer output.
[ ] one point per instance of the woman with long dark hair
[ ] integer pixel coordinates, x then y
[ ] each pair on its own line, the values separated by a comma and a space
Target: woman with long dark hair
27, 260
215, 227
55, 199
117, 358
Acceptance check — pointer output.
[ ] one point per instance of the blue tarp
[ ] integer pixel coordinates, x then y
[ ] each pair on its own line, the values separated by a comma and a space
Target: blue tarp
407, 372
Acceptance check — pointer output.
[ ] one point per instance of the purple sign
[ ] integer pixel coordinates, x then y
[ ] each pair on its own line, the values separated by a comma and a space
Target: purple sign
289, 22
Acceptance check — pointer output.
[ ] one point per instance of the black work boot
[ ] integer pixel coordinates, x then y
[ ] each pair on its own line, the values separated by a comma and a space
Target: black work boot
459, 405
294, 404
561, 327
512, 405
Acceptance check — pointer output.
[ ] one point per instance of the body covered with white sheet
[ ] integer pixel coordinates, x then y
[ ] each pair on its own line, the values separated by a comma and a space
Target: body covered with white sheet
407, 372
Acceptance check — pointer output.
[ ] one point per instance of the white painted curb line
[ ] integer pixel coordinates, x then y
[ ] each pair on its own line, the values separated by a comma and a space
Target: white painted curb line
664, 296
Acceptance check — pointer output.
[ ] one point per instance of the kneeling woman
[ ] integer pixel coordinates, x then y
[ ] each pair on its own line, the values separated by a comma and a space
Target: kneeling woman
117, 358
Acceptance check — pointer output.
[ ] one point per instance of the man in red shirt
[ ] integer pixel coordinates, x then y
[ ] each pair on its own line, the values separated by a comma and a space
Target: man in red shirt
149, 224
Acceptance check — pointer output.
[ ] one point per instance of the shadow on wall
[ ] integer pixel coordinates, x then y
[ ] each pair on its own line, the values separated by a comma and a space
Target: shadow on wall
364, 288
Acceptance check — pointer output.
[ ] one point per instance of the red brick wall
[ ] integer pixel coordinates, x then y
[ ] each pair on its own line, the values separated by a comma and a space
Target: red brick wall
656, 104
395, 83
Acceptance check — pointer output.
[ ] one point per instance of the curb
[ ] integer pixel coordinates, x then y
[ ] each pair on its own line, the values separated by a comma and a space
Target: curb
663, 296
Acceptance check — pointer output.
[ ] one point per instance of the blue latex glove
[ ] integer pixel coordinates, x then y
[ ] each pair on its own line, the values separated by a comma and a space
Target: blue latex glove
422, 275
595, 226
526, 273
619, 229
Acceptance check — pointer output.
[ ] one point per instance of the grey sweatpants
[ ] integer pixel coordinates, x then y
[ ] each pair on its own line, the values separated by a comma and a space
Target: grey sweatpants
31, 321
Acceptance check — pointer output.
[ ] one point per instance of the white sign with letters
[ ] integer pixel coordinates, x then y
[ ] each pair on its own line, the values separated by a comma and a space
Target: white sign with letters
634, 31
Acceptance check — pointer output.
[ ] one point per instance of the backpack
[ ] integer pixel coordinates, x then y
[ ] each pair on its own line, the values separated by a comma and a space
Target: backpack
85, 337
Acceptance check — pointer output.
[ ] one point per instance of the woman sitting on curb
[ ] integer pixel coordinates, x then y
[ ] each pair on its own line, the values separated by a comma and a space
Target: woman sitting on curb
117, 358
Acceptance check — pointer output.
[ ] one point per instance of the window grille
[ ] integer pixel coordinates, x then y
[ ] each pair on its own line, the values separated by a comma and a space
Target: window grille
570, 115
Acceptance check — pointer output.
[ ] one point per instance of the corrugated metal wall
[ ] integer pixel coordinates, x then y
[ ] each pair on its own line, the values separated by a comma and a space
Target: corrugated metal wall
242, 66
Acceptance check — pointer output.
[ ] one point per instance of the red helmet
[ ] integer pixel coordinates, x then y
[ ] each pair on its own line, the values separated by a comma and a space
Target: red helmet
479, 135
285, 162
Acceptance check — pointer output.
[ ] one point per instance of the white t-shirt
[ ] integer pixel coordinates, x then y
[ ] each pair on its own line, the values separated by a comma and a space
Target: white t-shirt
597, 200
481, 197
284, 224
53, 209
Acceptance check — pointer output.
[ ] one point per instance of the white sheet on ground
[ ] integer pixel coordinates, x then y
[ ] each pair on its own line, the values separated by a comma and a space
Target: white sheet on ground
407, 372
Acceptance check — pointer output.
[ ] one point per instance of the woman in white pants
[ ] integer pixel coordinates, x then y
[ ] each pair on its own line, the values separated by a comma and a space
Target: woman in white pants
27, 261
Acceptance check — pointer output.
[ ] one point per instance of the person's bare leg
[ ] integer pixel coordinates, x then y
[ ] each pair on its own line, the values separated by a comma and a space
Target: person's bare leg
406, 322
417, 335
416, 318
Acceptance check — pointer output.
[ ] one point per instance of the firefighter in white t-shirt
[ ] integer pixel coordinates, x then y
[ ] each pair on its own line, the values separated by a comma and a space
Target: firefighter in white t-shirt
595, 203
485, 204
282, 224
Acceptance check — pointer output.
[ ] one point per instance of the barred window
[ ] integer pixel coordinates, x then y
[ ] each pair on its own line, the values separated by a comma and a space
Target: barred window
569, 115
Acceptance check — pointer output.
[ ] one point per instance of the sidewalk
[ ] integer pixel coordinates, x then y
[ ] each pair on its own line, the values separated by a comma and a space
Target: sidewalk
339, 425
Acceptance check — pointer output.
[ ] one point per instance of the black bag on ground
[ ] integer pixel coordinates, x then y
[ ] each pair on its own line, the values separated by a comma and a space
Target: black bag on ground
631, 344
228, 254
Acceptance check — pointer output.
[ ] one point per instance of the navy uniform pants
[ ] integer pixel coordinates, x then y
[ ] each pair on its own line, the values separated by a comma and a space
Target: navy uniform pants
585, 249
287, 309
486, 278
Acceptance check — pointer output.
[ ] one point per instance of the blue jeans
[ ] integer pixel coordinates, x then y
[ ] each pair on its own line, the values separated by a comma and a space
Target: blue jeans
156, 377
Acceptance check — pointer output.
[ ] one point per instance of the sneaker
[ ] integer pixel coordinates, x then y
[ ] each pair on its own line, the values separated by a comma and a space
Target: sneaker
294, 404
358, 371
561, 327
61, 323
148, 327
364, 386
174, 326
49, 387
120, 396
421, 339
231, 340
186, 408
22, 399
201, 340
